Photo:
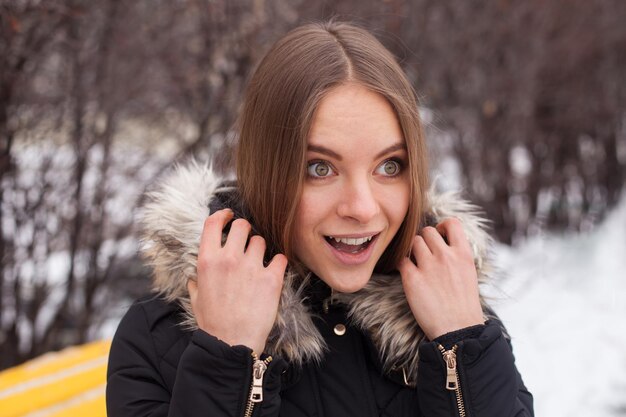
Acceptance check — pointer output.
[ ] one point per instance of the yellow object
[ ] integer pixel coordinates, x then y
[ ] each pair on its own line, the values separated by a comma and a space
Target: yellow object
60, 384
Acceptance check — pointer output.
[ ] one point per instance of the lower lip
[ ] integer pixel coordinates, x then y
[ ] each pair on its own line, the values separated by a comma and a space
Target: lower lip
353, 258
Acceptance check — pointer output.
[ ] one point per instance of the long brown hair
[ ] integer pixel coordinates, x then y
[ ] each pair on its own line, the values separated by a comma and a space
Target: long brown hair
277, 113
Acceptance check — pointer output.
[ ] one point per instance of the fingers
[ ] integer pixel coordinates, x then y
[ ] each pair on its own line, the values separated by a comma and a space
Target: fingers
438, 240
236, 243
192, 287
213, 227
404, 266
256, 247
238, 236
211, 241
433, 240
278, 265
420, 250
420, 254
448, 233
452, 228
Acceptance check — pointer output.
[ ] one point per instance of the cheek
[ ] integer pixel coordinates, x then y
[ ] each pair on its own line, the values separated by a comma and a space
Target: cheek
312, 210
396, 204
303, 217
308, 218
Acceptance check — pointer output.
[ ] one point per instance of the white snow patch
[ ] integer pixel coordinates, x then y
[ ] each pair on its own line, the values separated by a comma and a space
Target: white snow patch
562, 300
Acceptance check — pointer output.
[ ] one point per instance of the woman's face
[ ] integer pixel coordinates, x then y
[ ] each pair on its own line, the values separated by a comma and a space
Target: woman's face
356, 191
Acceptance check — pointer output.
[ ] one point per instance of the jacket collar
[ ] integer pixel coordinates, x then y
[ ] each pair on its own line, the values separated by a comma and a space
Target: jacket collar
172, 224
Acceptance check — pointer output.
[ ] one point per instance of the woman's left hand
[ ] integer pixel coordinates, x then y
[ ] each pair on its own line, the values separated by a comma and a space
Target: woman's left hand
442, 286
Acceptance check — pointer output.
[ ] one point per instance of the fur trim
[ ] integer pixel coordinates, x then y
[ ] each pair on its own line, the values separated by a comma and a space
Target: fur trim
172, 225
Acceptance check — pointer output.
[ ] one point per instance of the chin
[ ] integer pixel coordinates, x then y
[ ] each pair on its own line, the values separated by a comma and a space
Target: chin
346, 282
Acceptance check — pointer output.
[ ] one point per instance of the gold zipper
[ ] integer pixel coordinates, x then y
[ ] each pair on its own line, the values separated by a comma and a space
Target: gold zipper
452, 376
256, 388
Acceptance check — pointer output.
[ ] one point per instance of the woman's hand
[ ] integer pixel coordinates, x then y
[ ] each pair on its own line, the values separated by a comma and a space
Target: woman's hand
442, 286
235, 297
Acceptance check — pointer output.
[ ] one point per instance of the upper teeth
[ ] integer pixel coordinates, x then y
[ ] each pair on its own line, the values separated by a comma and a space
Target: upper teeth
351, 240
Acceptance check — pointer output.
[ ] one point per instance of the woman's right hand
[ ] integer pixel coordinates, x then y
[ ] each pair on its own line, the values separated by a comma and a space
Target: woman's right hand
235, 297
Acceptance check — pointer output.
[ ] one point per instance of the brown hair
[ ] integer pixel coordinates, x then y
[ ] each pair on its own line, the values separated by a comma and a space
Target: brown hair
276, 117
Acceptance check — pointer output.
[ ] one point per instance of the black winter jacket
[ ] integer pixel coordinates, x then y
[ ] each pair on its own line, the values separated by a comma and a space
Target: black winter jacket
158, 369
359, 354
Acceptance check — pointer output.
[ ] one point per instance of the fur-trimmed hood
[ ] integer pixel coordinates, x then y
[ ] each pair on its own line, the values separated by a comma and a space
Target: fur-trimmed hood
172, 223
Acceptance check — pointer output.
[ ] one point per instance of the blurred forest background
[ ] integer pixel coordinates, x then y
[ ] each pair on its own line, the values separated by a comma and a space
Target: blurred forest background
525, 102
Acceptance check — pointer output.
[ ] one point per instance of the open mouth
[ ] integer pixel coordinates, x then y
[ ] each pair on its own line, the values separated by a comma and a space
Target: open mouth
351, 244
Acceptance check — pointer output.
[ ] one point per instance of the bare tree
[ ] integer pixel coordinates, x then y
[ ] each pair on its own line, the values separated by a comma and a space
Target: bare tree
97, 99
533, 93
115, 92
57, 197
24, 38
202, 52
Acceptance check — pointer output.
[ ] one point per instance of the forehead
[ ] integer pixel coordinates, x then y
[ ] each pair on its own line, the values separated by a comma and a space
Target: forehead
351, 117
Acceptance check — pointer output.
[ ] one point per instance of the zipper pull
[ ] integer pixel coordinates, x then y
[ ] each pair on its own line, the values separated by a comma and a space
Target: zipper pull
449, 356
258, 369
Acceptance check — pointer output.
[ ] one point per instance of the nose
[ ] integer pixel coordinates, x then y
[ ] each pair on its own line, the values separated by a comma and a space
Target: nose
358, 201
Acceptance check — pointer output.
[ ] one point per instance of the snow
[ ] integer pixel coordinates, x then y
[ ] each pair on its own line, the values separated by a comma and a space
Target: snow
561, 298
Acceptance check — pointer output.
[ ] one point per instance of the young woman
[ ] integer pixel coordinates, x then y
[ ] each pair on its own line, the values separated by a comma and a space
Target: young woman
326, 281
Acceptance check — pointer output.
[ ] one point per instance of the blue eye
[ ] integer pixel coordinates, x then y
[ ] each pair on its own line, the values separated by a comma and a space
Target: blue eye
389, 168
319, 169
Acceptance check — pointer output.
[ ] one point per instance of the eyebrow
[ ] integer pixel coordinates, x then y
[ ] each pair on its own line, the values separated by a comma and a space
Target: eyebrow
333, 154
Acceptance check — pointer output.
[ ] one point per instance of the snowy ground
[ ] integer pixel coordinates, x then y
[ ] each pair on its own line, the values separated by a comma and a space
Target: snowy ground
563, 301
